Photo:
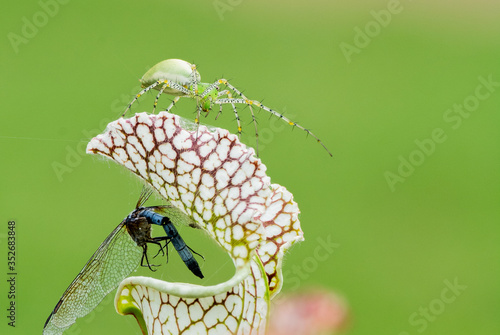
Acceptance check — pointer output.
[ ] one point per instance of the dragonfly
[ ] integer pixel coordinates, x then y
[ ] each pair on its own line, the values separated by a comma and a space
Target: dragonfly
120, 254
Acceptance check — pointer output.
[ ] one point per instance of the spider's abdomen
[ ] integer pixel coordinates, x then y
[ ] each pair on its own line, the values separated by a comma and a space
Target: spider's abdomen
174, 70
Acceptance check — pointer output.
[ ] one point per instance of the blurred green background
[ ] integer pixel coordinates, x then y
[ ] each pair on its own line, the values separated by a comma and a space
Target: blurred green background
371, 90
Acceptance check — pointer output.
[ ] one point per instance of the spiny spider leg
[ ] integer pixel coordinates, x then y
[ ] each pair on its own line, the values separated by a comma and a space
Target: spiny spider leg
231, 87
138, 95
215, 86
197, 119
237, 119
267, 109
210, 88
207, 111
158, 96
168, 83
254, 120
225, 92
229, 95
172, 104
194, 80
211, 99
194, 93
220, 94
220, 112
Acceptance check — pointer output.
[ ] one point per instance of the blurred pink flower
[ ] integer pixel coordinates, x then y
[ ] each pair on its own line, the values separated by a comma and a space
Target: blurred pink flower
310, 312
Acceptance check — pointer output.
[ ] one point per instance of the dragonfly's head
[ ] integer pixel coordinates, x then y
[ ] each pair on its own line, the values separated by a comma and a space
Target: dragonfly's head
133, 214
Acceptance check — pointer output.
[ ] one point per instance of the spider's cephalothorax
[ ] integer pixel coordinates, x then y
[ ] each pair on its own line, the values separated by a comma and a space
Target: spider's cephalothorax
181, 79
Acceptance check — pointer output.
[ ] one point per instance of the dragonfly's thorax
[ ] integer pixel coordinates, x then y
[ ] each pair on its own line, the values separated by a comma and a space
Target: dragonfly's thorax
138, 228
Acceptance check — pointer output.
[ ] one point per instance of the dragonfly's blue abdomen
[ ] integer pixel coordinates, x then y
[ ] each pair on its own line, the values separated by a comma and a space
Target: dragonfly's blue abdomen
152, 217
179, 244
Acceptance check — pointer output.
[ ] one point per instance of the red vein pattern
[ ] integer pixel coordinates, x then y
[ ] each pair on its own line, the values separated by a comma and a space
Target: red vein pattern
219, 184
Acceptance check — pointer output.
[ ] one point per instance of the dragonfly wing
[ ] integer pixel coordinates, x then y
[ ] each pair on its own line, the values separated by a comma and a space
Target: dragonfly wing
175, 215
114, 260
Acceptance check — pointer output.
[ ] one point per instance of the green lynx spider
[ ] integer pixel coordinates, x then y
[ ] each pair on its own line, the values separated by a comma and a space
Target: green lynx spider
181, 79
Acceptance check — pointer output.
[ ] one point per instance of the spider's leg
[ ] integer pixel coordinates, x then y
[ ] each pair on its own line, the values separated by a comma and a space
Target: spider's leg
177, 86
172, 104
197, 119
210, 88
256, 132
220, 111
221, 94
209, 108
158, 96
167, 83
244, 100
225, 92
194, 94
220, 102
292, 123
230, 96
237, 119
231, 87
275, 113
254, 120
194, 81
138, 95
